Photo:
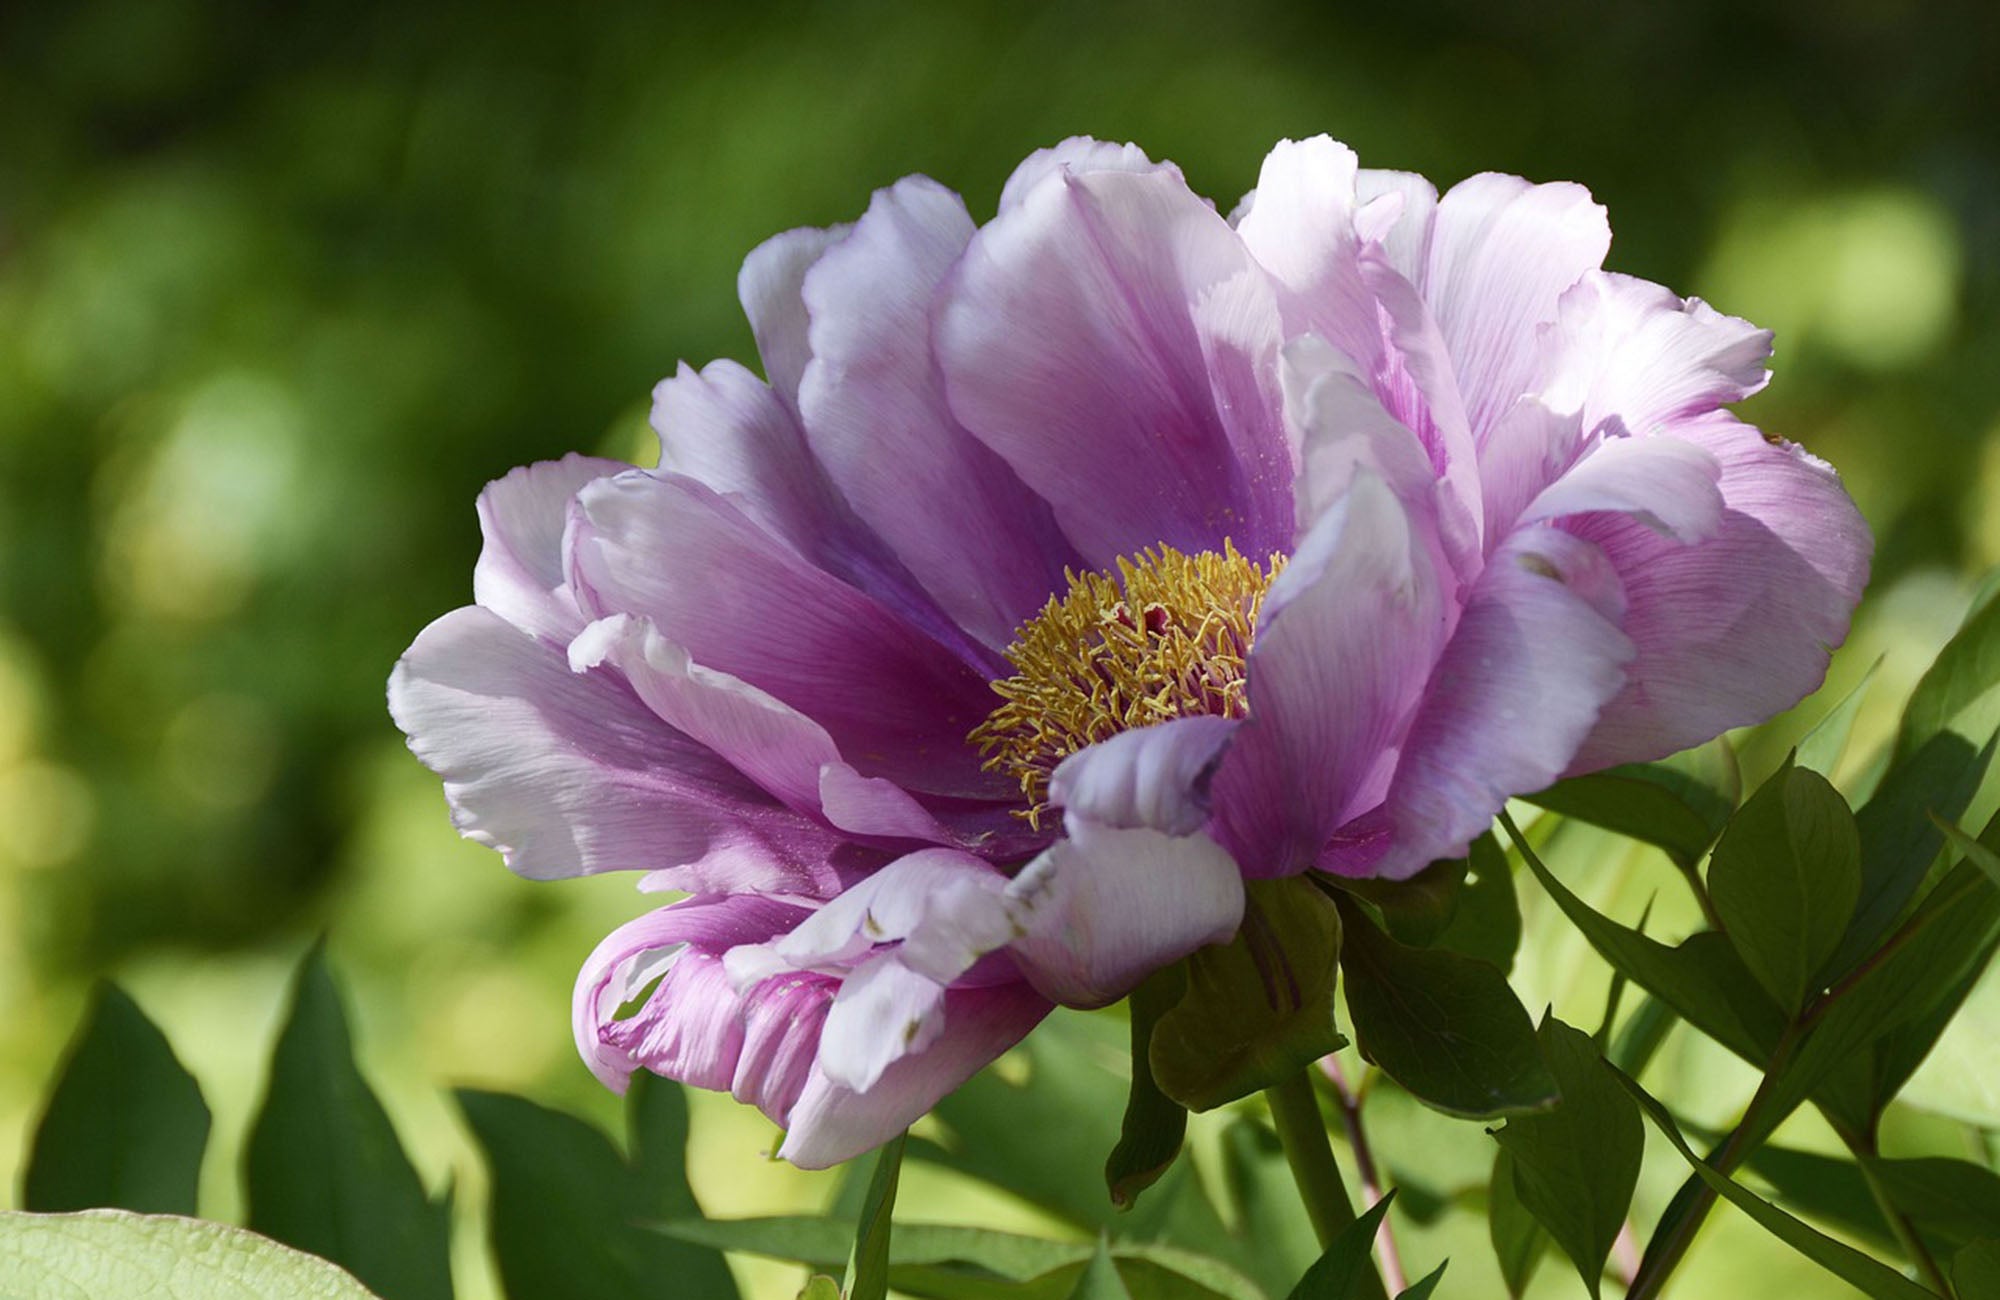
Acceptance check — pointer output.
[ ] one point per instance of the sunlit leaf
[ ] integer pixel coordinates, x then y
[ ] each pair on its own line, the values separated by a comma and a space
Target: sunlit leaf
1257, 1009
1865, 1274
820, 1287
125, 1125
1821, 748
1967, 669
1575, 1167
567, 1208
100, 1254
1446, 1027
1784, 879
324, 1169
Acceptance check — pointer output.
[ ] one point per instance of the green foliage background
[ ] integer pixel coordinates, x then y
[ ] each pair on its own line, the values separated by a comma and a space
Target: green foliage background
280, 288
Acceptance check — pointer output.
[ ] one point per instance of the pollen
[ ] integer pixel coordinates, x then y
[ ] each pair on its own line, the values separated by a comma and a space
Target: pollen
1167, 636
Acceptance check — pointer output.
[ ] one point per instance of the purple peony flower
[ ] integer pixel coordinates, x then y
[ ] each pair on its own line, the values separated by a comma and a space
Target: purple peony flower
1069, 569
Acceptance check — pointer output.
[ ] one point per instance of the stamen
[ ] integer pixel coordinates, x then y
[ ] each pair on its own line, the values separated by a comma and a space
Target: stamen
1167, 637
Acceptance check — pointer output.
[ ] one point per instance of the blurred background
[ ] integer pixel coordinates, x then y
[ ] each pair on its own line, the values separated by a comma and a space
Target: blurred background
282, 286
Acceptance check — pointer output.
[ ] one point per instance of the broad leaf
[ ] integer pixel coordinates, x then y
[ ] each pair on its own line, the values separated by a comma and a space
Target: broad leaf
1576, 1166
1100, 1280
1785, 878
1487, 922
1518, 1237
1679, 804
125, 1124
1259, 1008
868, 1259
1975, 1270
1821, 748
110, 1253
1154, 1125
567, 1208
1416, 910
1347, 1270
1967, 669
324, 1169
1447, 1028
1867, 1275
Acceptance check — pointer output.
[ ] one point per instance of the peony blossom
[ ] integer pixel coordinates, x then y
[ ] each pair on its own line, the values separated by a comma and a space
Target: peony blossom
1065, 571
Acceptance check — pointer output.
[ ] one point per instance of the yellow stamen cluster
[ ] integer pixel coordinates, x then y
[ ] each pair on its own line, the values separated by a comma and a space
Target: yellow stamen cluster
1166, 637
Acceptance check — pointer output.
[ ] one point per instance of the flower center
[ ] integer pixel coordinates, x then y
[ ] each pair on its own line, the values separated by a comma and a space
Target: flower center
1166, 637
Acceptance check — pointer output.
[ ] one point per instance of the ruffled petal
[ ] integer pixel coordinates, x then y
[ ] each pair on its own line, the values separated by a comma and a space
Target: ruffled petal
782, 1022
1106, 907
1078, 337
1668, 484
884, 1012
690, 1026
769, 288
1502, 253
1536, 655
569, 774
985, 547
520, 573
1299, 225
894, 701
1155, 776
831, 1123
1738, 627
1348, 635
1077, 155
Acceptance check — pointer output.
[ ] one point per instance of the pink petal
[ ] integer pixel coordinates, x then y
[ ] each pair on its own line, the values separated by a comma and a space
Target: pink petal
783, 1021
884, 1012
1348, 635
740, 603
977, 539
769, 288
1155, 776
1666, 483
1536, 655
1077, 337
1738, 627
1076, 155
520, 574
1106, 907
831, 1123
569, 774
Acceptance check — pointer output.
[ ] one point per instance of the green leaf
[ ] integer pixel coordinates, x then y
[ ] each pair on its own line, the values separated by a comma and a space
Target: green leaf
1100, 1280
1575, 1167
936, 1262
1679, 804
324, 1170
100, 1254
1785, 878
1421, 1289
1257, 1009
1703, 980
1416, 910
1869, 1276
1155, 1124
1487, 924
1821, 748
1344, 1271
1446, 1027
868, 1261
656, 1121
1518, 1237
567, 1208
1975, 1270
125, 1124
820, 1287
1272, 1220
1964, 671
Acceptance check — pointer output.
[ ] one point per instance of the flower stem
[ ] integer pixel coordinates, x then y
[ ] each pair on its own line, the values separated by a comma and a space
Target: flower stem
1302, 1132
1365, 1168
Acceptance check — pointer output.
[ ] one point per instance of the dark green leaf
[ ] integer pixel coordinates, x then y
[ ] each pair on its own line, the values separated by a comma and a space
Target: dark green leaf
1869, 1276
567, 1209
1446, 1027
1679, 804
935, 1262
1965, 670
1518, 1238
1822, 747
1100, 1280
1975, 1270
1154, 1125
1416, 910
125, 1124
1487, 924
115, 1255
324, 1170
1575, 1167
1421, 1289
1702, 980
1259, 1008
1785, 878
1345, 1271
868, 1261
656, 1124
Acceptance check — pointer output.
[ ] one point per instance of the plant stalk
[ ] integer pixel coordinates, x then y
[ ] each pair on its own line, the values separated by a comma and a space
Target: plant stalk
1302, 1132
